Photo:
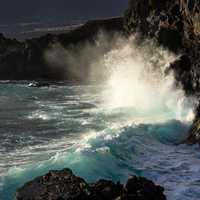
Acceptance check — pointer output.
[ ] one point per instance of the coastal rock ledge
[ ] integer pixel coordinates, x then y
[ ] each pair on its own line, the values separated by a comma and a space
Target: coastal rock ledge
64, 185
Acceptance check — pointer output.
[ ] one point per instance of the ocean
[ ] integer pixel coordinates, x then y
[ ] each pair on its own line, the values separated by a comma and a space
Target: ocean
72, 126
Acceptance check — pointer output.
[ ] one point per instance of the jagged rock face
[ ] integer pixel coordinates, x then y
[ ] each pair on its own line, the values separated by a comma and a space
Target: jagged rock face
194, 137
54, 185
169, 21
174, 24
64, 185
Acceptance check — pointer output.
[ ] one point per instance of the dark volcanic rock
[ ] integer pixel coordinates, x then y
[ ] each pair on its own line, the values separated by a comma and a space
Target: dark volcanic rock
54, 185
145, 189
39, 84
159, 18
104, 189
64, 185
194, 137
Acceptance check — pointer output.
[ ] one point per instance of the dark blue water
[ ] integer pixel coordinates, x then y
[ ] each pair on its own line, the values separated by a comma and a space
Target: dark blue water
77, 127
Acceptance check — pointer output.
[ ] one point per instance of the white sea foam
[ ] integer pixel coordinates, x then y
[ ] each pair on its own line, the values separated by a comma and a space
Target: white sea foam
137, 80
39, 115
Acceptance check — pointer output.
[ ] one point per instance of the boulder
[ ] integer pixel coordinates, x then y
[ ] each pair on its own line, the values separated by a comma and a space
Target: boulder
64, 185
54, 185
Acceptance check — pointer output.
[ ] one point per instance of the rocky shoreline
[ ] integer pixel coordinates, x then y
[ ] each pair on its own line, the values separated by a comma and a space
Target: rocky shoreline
64, 185
26, 60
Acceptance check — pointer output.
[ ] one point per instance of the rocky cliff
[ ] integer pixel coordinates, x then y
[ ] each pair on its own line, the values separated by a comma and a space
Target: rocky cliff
174, 24
26, 61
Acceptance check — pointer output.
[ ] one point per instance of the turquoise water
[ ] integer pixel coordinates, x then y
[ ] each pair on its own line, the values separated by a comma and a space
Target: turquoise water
78, 127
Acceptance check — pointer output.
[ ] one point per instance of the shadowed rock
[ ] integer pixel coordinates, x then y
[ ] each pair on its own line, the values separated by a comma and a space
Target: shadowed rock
174, 24
26, 60
64, 185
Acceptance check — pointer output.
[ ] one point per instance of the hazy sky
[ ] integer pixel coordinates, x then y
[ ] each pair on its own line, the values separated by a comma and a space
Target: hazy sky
13, 11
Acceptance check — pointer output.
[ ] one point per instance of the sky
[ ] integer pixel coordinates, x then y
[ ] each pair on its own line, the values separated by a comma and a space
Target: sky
17, 11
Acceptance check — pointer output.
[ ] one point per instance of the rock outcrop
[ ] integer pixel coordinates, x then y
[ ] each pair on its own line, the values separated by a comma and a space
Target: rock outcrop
194, 137
64, 185
174, 24
26, 60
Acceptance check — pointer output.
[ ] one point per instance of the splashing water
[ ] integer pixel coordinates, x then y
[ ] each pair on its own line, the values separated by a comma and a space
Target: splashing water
127, 125
137, 80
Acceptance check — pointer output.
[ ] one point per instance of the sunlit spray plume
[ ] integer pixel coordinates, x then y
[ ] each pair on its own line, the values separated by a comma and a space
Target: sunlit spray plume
134, 75
137, 80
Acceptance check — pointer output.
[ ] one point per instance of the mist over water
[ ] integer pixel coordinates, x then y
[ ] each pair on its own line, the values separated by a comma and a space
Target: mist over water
133, 73
129, 123
137, 79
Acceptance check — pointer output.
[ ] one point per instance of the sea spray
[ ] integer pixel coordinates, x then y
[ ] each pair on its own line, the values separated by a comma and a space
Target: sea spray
137, 78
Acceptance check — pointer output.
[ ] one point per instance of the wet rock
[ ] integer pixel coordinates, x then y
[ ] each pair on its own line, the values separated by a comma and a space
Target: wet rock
153, 18
54, 185
140, 188
64, 185
183, 74
169, 37
105, 190
194, 137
